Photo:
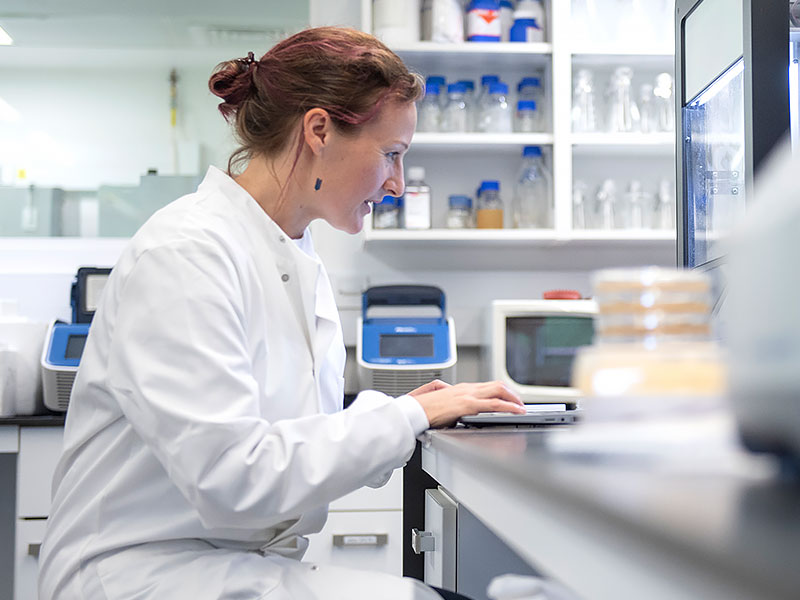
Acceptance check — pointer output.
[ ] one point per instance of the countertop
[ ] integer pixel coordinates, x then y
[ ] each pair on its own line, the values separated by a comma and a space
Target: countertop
680, 508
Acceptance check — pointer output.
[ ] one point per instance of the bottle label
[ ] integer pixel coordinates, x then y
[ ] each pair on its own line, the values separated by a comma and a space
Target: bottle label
417, 208
483, 25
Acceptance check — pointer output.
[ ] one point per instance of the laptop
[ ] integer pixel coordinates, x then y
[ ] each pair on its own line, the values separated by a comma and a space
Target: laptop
536, 415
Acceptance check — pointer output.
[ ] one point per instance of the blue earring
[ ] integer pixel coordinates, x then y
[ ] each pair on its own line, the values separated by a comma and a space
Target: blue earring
318, 184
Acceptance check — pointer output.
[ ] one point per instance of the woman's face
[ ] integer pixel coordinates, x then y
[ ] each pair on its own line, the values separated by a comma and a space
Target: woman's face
362, 169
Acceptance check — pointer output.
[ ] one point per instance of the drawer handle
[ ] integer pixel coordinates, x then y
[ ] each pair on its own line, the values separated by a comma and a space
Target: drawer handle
33, 550
422, 541
350, 540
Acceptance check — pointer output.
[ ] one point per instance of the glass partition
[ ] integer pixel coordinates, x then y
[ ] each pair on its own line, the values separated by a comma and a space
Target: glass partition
714, 164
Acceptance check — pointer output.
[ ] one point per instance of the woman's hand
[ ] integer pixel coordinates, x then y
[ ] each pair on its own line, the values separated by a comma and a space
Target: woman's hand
445, 404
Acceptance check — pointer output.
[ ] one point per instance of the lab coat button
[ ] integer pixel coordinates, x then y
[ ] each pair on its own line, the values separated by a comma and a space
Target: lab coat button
284, 278
282, 239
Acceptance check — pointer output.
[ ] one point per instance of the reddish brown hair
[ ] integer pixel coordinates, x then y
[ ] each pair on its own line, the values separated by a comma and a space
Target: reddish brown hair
347, 72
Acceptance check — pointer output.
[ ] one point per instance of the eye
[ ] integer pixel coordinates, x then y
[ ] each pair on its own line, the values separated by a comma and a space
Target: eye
392, 156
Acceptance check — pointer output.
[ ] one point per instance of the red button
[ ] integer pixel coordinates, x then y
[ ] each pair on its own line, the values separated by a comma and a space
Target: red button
562, 295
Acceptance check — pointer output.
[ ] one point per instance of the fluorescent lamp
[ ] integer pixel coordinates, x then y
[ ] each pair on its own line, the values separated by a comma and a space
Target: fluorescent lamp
5, 39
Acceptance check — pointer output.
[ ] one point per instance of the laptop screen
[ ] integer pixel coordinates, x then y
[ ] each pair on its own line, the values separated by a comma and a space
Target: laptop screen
540, 350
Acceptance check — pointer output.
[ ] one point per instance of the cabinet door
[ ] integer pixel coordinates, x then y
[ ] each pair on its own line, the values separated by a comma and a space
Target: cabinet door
440, 523
39, 451
29, 537
370, 540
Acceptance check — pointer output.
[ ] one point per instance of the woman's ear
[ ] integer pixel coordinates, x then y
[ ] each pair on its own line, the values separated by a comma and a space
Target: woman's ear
317, 127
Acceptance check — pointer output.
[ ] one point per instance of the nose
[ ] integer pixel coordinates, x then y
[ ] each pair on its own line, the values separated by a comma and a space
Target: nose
395, 184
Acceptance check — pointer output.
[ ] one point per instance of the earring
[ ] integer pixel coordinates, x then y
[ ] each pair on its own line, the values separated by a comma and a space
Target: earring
318, 184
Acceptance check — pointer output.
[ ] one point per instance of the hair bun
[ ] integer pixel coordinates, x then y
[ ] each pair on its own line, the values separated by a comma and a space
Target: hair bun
232, 82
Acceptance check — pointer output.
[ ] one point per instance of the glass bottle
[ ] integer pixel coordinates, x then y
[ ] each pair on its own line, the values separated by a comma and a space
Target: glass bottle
605, 203
648, 120
459, 214
454, 116
532, 204
417, 200
480, 99
496, 115
581, 210
386, 214
490, 206
429, 111
665, 206
623, 114
583, 103
527, 118
664, 106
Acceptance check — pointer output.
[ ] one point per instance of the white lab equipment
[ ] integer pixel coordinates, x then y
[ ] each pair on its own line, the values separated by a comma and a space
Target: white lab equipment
402, 350
64, 342
529, 22
483, 21
530, 345
21, 341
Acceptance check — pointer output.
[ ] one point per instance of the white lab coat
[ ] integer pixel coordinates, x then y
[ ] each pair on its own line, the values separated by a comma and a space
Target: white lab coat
205, 435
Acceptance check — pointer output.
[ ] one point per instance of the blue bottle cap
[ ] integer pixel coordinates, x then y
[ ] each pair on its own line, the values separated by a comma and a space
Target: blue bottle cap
460, 202
389, 201
487, 79
526, 105
456, 88
468, 83
431, 89
498, 88
528, 81
437, 79
506, 4
484, 5
532, 151
490, 184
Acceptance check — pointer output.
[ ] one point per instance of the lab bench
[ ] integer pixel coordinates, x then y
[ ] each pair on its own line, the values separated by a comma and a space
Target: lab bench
609, 526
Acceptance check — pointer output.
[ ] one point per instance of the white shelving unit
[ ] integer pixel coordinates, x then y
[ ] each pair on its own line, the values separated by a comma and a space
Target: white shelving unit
455, 163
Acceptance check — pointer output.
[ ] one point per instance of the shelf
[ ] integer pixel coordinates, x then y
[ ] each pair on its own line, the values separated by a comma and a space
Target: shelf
644, 58
620, 144
516, 237
479, 141
430, 56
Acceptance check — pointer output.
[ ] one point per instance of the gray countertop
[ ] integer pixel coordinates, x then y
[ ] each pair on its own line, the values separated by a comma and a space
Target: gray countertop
729, 518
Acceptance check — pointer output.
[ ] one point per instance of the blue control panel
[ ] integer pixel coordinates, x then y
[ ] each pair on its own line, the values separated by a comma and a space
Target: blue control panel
66, 344
405, 341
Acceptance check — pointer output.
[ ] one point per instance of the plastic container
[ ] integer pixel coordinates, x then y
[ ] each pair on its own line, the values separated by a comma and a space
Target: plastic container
489, 214
429, 110
459, 213
506, 19
527, 119
479, 99
533, 204
440, 81
396, 23
496, 115
483, 21
529, 22
442, 21
386, 214
455, 117
21, 344
417, 200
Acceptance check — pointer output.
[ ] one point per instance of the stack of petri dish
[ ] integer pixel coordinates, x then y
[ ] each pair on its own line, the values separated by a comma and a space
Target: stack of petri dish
652, 306
652, 351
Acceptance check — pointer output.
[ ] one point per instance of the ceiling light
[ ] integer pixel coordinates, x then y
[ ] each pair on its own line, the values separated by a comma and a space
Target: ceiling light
5, 39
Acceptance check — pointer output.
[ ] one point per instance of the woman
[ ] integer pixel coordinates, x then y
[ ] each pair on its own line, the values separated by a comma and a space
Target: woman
205, 435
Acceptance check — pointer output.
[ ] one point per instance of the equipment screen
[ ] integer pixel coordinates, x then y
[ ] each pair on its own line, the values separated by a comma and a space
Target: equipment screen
398, 345
75, 344
540, 350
